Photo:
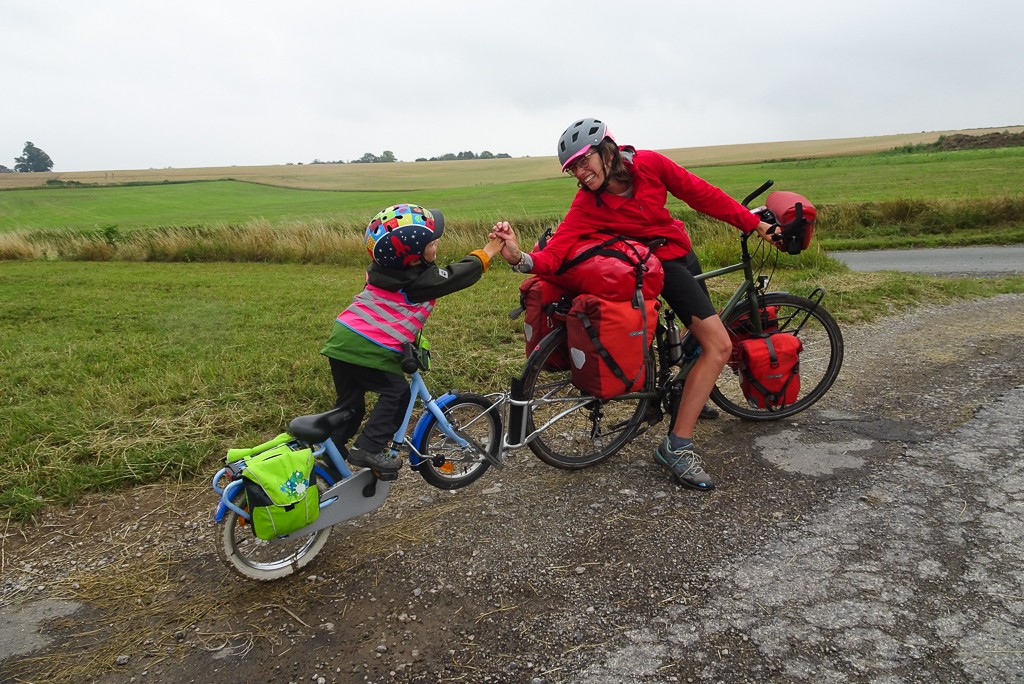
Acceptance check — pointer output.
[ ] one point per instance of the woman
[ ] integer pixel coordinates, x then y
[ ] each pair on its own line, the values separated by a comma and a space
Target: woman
625, 189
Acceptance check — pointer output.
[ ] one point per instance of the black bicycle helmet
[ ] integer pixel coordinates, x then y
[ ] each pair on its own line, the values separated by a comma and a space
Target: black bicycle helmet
580, 137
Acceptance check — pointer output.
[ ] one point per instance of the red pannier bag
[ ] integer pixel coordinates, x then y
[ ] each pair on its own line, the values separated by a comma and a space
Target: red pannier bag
796, 216
539, 298
741, 329
608, 342
770, 370
609, 266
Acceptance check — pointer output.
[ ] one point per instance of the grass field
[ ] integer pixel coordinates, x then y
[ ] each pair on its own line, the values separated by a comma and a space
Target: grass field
103, 389
425, 176
949, 176
120, 373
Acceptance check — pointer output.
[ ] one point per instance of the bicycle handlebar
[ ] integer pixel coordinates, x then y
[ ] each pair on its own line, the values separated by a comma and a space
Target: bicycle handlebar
409, 362
767, 184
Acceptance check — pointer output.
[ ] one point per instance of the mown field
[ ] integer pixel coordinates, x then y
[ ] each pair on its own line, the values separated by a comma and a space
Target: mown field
120, 371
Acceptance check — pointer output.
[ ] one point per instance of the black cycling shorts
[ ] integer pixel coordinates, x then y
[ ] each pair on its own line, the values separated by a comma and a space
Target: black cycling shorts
687, 296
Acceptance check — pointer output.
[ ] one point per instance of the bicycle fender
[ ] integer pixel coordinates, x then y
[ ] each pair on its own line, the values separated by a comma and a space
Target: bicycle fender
425, 421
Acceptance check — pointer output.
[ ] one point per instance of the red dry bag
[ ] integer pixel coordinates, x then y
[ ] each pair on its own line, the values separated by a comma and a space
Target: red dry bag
611, 266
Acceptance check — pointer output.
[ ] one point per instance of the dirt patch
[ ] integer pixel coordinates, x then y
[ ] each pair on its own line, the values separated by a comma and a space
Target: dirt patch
959, 141
544, 576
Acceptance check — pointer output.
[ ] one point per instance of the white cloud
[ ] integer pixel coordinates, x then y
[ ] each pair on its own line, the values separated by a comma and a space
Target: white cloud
112, 84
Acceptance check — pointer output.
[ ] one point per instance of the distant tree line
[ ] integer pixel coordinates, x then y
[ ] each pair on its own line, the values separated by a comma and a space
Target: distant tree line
387, 156
32, 159
466, 155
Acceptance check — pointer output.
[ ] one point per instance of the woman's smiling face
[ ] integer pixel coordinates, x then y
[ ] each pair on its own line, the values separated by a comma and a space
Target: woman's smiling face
589, 169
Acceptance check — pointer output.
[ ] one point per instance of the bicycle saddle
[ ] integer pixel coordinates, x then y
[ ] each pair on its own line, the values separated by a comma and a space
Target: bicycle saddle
319, 426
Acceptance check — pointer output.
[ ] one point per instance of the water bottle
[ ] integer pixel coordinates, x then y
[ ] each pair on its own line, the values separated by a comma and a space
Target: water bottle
672, 343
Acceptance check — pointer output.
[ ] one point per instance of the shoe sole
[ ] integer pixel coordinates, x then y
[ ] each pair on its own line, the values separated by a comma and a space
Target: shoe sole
381, 472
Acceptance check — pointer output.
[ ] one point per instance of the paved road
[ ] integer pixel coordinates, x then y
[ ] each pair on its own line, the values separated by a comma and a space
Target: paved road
859, 589
941, 261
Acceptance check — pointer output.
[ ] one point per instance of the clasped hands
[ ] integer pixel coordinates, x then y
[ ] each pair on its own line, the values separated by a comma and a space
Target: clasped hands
510, 251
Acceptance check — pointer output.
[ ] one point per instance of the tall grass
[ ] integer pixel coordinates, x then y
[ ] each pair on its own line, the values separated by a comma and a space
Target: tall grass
865, 225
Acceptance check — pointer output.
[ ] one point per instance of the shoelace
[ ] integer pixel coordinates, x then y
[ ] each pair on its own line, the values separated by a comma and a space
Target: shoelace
690, 457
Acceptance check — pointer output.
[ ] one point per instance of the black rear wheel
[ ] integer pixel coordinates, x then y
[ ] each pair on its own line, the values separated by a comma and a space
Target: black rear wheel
577, 430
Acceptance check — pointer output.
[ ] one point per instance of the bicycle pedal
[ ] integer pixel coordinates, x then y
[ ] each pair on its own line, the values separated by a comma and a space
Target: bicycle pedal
385, 475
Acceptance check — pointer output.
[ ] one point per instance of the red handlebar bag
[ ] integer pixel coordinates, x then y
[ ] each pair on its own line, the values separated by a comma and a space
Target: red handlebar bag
796, 215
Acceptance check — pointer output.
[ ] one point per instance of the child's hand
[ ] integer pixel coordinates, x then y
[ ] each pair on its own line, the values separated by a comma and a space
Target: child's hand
503, 231
510, 249
493, 247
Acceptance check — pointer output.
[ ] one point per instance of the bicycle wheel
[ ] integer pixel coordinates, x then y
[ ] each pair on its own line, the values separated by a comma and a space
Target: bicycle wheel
445, 464
577, 430
261, 560
820, 360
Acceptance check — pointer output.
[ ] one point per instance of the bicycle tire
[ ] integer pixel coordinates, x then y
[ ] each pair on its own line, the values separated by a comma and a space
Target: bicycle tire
261, 560
820, 360
592, 432
445, 464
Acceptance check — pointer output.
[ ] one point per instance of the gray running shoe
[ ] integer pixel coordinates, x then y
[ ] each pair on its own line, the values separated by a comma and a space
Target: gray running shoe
382, 460
685, 466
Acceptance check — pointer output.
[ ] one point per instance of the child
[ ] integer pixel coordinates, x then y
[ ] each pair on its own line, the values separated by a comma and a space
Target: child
365, 346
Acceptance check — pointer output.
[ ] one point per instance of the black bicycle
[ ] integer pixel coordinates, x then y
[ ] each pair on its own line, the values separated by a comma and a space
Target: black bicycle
569, 429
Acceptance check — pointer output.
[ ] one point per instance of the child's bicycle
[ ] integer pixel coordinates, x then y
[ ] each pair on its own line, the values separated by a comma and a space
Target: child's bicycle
568, 429
455, 440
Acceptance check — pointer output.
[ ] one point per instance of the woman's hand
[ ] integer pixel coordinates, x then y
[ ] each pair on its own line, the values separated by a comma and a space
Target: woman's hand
510, 251
767, 231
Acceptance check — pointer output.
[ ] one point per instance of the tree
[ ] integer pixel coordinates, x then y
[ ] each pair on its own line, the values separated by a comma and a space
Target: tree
32, 159
387, 156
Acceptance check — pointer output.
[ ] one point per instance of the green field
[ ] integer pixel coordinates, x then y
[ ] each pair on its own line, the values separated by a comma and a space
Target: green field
124, 372
950, 176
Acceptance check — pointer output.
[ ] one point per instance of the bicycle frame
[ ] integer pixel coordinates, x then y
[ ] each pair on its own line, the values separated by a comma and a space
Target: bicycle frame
367, 492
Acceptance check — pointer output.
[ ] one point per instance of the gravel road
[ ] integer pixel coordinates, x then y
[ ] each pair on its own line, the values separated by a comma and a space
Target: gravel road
875, 538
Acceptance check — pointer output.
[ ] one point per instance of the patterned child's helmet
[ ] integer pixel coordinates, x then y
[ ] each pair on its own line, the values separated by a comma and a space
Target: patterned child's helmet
397, 236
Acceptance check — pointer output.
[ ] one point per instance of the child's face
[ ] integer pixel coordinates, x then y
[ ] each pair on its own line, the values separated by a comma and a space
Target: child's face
430, 252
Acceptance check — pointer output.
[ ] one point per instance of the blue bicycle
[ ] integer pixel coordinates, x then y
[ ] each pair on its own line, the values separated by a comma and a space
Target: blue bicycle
456, 439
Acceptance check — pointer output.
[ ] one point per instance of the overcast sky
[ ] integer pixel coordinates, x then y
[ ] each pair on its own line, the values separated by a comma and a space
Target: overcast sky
132, 84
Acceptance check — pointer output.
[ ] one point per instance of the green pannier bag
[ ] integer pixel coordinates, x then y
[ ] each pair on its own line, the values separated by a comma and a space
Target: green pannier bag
280, 486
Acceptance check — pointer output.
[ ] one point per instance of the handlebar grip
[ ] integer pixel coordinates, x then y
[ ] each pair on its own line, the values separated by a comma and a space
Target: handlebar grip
409, 362
767, 184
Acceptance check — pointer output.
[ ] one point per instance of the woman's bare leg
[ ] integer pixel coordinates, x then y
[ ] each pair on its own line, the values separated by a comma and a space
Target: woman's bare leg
716, 348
